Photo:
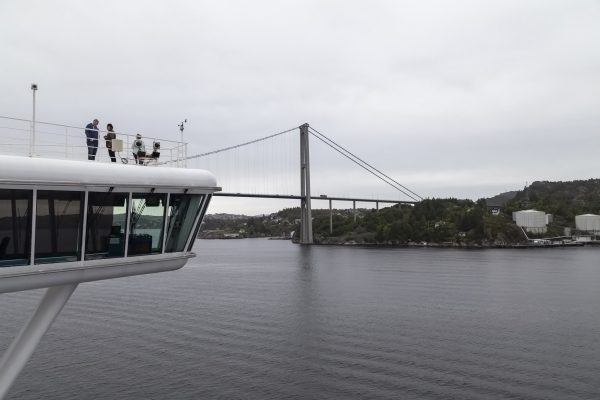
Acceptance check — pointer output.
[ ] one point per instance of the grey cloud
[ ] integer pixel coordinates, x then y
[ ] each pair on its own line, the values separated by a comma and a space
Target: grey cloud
421, 89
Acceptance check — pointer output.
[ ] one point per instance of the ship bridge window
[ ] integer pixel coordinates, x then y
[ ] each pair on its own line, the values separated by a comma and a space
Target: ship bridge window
197, 230
147, 223
106, 221
59, 220
183, 210
15, 226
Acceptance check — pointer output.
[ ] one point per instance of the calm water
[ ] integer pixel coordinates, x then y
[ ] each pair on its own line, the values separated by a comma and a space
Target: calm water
260, 319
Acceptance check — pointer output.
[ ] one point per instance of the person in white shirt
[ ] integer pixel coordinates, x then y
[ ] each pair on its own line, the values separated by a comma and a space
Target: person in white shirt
138, 149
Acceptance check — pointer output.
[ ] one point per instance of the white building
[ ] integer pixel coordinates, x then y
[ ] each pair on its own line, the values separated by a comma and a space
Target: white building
531, 220
588, 223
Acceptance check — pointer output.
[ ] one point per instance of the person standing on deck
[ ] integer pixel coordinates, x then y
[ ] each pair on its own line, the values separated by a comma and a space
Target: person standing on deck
91, 134
138, 149
110, 135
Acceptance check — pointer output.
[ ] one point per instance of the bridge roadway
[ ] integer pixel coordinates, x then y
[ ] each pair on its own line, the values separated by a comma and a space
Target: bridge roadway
322, 197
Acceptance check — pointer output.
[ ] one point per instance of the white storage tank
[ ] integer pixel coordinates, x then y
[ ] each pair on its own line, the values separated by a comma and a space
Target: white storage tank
532, 220
588, 223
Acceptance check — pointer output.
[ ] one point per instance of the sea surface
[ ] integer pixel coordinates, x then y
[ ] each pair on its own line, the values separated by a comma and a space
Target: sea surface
267, 319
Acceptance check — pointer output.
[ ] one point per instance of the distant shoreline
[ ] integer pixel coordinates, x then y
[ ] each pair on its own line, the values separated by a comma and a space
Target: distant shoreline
430, 245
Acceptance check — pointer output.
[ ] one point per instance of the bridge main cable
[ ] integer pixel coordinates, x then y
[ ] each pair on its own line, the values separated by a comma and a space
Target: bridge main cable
365, 165
238, 145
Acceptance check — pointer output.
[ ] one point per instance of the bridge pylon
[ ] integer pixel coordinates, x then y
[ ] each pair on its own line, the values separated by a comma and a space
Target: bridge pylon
306, 232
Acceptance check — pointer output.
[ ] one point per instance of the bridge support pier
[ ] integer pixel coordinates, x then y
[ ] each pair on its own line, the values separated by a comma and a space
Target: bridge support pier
306, 234
354, 209
330, 218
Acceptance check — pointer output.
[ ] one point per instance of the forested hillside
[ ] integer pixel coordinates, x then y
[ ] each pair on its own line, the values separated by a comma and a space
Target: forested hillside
449, 222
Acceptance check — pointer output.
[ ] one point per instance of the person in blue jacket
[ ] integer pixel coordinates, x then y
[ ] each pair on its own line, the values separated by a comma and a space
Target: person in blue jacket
91, 134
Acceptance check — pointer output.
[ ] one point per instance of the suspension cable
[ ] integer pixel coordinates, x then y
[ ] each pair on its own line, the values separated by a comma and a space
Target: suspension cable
236, 146
362, 161
359, 161
365, 168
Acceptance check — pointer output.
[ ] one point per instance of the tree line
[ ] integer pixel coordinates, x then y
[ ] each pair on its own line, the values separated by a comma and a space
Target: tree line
443, 221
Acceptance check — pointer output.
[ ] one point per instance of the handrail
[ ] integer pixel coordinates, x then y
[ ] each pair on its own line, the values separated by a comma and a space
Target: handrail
62, 141
73, 127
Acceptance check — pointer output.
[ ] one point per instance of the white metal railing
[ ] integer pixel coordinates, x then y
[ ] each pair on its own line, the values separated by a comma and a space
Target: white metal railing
70, 143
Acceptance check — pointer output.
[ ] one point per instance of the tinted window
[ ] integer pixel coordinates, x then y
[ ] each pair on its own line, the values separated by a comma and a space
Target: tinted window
58, 226
106, 220
183, 210
15, 226
147, 223
197, 230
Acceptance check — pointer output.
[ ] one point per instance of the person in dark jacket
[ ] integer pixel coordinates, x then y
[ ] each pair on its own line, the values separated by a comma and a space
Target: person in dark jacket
91, 134
110, 135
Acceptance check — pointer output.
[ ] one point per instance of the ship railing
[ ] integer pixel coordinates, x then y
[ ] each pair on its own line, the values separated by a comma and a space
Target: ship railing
23, 137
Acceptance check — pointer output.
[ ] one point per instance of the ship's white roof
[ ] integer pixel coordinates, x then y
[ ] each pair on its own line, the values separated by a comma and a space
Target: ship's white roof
43, 171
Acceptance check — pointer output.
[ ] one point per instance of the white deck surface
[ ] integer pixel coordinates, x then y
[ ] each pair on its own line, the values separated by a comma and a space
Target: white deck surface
43, 171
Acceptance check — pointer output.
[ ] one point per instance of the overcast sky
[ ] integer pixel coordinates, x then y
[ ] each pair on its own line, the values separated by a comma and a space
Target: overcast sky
463, 98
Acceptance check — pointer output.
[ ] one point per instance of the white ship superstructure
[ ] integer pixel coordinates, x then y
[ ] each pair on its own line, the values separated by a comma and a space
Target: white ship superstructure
64, 222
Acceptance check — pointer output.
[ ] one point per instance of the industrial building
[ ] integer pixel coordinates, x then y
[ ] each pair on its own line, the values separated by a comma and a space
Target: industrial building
589, 223
532, 221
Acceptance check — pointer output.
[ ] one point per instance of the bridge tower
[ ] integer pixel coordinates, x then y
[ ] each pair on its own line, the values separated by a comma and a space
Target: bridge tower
306, 232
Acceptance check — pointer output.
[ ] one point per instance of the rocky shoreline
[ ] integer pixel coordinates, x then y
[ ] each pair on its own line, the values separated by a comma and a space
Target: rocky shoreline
456, 245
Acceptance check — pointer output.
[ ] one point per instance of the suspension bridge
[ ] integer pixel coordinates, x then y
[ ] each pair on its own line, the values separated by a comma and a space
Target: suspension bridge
275, 166
210, 160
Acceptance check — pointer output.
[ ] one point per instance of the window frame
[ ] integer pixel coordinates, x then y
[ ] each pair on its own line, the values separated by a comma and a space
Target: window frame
31, 259
25, 260
47, 258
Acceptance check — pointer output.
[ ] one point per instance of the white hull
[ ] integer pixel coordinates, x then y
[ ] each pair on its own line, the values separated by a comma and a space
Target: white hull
30, 277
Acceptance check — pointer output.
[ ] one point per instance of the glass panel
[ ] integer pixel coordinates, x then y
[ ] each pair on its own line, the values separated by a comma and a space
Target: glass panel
15, 226
58, 226
106, 221
197, 230
147, 223
183, 210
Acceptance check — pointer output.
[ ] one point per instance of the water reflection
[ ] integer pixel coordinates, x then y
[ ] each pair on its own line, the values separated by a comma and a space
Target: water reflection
260, 319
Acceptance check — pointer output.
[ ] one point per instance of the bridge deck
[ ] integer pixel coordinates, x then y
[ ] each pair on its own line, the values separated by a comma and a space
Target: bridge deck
298, 197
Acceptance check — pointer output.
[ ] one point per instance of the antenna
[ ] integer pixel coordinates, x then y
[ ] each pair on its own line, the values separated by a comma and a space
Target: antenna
181, 126
182, 148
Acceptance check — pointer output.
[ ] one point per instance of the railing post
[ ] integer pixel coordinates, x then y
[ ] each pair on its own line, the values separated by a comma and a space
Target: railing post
66, 143
32, 143
306, 234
